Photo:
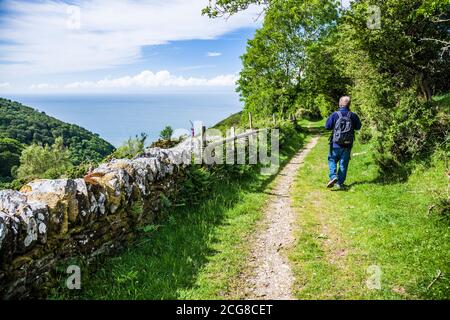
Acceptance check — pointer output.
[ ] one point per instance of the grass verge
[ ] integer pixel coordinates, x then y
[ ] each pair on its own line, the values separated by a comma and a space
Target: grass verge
349, 239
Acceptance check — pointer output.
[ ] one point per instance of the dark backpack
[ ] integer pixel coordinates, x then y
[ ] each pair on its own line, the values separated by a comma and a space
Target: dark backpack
343, 133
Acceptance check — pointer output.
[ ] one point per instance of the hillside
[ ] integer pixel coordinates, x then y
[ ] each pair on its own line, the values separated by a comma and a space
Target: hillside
27, 126
232, 121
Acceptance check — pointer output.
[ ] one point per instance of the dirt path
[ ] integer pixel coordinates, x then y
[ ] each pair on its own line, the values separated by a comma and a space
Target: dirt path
271, 276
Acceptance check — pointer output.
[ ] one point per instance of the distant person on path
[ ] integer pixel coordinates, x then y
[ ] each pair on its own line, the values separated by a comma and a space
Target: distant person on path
343, 123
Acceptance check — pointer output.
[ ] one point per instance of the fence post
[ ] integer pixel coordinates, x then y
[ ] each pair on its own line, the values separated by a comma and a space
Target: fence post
233, 135
233, 145
250, 120
274, 118
203, 142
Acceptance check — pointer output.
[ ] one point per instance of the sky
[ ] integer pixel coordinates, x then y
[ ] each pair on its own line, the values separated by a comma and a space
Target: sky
94, 46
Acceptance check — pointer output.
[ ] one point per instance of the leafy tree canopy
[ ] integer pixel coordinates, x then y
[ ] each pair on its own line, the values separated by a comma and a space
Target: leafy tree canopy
49, 162
10, 151
219, 8
309, 53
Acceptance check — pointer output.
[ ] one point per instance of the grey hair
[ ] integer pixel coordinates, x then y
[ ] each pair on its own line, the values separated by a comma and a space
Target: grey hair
344, 101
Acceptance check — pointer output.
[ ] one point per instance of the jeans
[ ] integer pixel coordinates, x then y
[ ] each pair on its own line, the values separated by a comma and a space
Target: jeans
341, 156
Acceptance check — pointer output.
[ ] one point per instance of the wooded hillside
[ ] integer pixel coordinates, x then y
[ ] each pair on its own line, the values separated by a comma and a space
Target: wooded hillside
21, 126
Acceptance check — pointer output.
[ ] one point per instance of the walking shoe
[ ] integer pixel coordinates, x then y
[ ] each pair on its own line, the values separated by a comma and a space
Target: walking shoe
332, 183
341, 187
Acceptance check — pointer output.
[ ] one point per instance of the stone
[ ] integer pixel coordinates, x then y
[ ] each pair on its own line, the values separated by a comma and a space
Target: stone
60, 197
22, 222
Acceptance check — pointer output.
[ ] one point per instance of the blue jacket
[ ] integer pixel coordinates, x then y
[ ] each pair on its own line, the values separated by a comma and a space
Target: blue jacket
331, 121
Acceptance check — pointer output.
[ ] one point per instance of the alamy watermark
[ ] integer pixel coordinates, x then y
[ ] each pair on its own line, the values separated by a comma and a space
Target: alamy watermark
374, 18
73, 21
373, 282
73, 281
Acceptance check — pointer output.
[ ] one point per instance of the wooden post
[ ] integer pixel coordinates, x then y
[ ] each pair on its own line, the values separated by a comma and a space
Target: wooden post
233, 134
250, 120
203, 142
233, 144
274, 118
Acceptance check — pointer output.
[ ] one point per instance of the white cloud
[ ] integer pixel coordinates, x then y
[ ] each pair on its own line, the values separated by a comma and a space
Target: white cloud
44, 37
43, 86
4, 85
148, 79
142, 80
202, 66
214, 54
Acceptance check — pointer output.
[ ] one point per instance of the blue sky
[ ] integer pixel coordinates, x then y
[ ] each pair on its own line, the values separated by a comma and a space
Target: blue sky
58, 46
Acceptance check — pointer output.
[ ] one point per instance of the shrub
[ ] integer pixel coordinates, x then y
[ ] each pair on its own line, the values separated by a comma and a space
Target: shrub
415, 129
48, 162
131, 148
166, 133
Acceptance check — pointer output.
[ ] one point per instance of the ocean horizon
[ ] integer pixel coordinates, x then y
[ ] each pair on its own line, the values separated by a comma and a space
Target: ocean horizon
117, 117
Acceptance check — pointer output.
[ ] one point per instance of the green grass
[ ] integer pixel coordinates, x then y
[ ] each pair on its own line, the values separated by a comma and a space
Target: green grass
197, 251
318, 124
444, 99
342, 233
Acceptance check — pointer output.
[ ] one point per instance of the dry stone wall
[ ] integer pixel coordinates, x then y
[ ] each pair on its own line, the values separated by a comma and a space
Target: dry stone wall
49, 221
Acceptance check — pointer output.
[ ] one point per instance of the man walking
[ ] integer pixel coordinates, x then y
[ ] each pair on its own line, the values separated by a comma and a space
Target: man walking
343, 123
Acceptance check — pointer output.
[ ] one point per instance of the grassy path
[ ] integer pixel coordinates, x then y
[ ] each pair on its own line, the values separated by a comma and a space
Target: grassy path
374, 234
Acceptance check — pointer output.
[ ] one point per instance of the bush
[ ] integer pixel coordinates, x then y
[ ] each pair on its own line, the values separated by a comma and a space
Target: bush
49, 162
131, 148
416, 128
165, 144
80, 170
166, 133
365, 135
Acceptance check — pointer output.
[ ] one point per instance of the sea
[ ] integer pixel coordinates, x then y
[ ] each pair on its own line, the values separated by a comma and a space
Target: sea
117, 117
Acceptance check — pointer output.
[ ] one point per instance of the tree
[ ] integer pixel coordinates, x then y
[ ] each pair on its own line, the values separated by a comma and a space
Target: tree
166, 133
307, 54
411, 45
49, 162
276, 62
220, 8
393, 75
10, 151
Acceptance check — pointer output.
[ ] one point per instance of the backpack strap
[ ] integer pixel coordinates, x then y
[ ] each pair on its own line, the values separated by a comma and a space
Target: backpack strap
348, 115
